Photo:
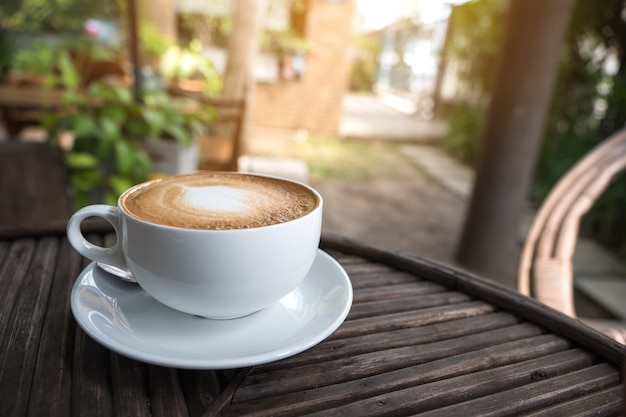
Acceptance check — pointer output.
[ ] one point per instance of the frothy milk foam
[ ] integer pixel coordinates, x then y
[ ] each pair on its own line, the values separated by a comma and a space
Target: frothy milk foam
219, 201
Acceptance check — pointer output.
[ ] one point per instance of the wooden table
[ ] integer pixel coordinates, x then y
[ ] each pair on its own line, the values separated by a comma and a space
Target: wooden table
421, 339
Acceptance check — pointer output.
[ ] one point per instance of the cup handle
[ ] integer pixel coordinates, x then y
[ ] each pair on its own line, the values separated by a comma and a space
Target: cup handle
110, 256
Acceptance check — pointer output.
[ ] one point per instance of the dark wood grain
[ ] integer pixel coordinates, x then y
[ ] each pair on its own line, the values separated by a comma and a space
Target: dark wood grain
18, 358
603, 403
380, 307
560, 388
414, 318
421, 339
166, 395
129, 387
91, 379
461, 389
51, 394
490, 291
334, 347
12, 276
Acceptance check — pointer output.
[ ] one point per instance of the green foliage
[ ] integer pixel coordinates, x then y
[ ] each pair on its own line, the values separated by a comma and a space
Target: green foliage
46, 60
153, 43
188, 63
6, 52
283, 42
215, 30
463, 136
110, 128
40, 59
473, 46
472, 49
52, 15
365, 63
588, 105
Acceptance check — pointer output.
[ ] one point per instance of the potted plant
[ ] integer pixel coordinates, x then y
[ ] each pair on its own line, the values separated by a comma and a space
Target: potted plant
114, 134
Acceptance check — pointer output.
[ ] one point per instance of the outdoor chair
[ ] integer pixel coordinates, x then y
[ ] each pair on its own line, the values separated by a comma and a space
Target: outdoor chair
33, 186
546, 264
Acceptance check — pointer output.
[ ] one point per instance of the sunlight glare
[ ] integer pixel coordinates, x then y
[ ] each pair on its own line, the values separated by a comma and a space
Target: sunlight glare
377, 14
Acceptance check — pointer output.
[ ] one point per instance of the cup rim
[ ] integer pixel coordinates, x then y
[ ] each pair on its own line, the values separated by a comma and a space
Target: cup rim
318, 206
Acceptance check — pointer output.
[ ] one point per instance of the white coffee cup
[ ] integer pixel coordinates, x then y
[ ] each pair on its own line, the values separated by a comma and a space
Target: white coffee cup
196, 268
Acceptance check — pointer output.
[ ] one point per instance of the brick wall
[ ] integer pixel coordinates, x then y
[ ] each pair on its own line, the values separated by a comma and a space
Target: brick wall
314, 101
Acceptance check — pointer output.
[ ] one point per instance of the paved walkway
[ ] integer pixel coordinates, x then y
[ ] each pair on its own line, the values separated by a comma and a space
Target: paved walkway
368, 117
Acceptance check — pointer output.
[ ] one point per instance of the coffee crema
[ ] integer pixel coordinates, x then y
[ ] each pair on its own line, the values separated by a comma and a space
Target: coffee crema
219, 201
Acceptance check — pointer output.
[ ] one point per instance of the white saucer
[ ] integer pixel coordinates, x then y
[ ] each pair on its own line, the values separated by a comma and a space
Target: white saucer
125, 319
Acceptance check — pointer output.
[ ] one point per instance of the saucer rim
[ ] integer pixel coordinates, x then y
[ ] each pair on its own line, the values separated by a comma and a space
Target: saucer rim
205, 363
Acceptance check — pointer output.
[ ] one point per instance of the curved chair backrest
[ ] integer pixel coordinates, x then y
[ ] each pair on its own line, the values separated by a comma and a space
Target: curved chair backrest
545, 269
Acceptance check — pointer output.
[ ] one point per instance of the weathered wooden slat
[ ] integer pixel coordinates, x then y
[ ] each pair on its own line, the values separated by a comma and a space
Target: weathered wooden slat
375, 308
260, 384
319, 398
226, 396
412, 318
539, 394
604, 403
51, 393
367, 268
201, 389
438, 394
166, 394
341, 348
91, 379
52, 228
396, 260
484, 289
129, 387
399, 356
91, 386
12, 276
553, 320
19, 353
392, 292
383, 279
4, 250
344, 258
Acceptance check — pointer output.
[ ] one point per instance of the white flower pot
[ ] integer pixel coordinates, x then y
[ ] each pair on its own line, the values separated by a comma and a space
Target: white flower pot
171, 158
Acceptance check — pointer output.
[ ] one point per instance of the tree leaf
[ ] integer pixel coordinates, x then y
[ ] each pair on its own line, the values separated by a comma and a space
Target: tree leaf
119, 184
83, 125
69, 74
110, 129
81, 160
124, 154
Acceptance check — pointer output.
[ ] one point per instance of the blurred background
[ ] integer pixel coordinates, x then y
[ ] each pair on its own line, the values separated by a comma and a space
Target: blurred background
385, 107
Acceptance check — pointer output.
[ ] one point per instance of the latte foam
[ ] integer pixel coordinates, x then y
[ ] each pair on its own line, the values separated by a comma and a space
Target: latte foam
219, 201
